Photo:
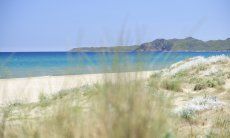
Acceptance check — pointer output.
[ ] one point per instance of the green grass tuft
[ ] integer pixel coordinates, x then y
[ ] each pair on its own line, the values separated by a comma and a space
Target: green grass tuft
172, 85
44, 100
204, 83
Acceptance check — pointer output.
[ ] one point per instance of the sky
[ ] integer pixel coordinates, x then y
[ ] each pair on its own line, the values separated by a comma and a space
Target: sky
59, 25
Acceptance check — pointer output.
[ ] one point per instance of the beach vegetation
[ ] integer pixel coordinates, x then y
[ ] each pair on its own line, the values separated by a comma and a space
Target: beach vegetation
171, 84
154, 81
199, 86
228, 75
44, 100
222, 121
188, 114
64, 93
182, 74
221, 125
204, 83
201, 67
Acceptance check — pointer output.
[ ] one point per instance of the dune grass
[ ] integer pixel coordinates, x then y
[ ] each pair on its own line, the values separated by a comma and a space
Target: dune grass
172, 85
221, 125
156, 82
208, 82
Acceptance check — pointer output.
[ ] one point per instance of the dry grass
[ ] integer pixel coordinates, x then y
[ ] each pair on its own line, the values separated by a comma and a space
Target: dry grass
221, 125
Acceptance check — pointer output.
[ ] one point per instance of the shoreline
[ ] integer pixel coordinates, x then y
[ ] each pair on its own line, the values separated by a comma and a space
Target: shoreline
28, 89
60, 75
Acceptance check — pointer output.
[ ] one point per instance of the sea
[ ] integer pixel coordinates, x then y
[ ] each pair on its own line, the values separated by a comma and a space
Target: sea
31, 64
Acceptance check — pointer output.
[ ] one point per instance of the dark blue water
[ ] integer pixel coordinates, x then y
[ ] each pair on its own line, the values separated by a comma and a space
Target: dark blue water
30, 64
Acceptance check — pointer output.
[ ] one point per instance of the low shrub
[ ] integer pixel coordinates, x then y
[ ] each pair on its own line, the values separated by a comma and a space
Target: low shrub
182, 74
199, 87
208, 83
188, 114
201, 67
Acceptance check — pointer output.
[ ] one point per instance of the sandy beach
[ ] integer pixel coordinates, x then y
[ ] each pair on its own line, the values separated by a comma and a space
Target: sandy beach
28, 89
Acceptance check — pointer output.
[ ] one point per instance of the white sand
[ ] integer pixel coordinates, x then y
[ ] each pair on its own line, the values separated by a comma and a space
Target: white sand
29, 89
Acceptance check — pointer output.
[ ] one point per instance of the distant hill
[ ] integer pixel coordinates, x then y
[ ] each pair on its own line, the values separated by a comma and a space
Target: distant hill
187, 44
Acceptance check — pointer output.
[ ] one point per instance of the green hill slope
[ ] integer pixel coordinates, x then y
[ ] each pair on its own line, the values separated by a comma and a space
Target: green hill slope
187, 44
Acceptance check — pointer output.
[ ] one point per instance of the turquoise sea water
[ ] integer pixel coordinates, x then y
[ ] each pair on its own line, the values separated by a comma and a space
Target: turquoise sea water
29, 64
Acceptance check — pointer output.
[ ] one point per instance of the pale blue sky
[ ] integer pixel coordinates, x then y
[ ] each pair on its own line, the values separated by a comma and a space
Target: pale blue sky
59, 25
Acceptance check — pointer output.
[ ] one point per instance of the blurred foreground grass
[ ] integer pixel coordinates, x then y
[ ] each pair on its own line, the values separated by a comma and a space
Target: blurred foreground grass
117, 108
